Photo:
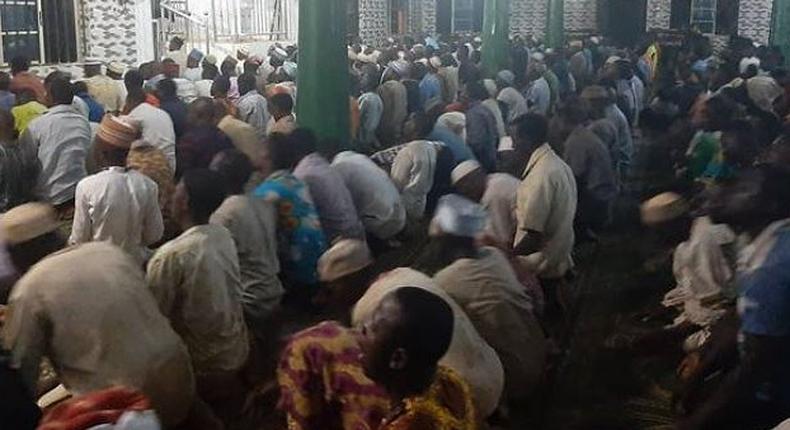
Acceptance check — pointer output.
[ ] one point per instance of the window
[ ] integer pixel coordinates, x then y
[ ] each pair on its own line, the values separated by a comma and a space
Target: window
707, 16
703, 16
42, 30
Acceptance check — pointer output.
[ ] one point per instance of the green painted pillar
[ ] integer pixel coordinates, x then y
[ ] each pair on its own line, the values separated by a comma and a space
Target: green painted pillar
780, 27
555, 35
322, 103
496, 34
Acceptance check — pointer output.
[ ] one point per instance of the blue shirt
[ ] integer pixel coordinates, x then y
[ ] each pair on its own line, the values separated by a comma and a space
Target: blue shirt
300, 238
95, 110
764, 307
453, 142
430, 88
7, 100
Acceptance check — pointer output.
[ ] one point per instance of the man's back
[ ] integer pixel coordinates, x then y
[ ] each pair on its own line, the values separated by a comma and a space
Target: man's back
158, 129
118, 206
88, 310
546, 203
106, 92
331, 196
195, 278
500, 309
252, 223
375, 197
591, 163
254, 111
63, 138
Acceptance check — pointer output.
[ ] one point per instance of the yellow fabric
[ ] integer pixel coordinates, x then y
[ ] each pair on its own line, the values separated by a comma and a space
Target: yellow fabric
25, 113
447, 405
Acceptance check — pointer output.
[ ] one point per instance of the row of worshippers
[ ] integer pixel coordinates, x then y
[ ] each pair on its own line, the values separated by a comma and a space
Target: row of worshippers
717, 139
120, 206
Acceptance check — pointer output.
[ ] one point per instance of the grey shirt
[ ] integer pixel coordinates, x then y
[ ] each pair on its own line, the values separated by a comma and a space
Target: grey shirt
482, 135
591, 164
252, 223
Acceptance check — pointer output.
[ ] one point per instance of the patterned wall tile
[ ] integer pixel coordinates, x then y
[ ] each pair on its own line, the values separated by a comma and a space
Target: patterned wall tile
373, 21
754, 20
109, 31
581, 15
658, 14
528, 17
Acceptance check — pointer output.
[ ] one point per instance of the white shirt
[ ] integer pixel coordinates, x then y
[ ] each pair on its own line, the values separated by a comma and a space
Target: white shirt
499, 200
254, 111
377, 200
195, 278
253, 224
204, 87
157, 130
546, 203
412, 172
118, 206
81, 107
193, 74
62, 136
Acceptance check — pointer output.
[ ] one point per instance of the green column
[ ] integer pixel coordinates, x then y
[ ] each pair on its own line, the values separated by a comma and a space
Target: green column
322, 103
780, 27
555, 36
496, 34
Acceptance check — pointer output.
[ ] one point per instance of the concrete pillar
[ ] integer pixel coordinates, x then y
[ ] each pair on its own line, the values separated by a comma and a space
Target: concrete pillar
555, 32
322, 103
780, 27
496, 31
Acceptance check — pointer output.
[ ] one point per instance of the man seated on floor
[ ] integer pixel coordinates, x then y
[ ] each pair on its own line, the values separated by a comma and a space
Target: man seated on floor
402, 342
346, 271
103, 306
196, 281
482, 282
468, 355
754, 391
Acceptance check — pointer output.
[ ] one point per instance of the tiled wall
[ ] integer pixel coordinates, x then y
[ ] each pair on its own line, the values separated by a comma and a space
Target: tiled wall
658, 14
754, 20
109, 30
373, 21
528, 17
581, 15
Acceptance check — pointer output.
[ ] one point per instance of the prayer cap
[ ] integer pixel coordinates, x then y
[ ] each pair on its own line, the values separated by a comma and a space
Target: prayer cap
352, 55
195, 54
400, 67
463, 169
210, 59
477, 39
663, 207
576, 44
290, 68
458, 216
242, 52
116, 67
538, 56
613, 59
506, 76
595, 39
490, 87
28, 221
505, 144
118, 131
345, 257
231, 60
436, 62
455, 121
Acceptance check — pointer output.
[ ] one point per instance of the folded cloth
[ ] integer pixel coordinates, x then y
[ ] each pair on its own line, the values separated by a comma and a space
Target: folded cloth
108, 406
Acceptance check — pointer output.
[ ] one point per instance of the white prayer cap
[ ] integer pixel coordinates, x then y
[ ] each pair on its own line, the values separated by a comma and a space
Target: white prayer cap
352, 55
595, 39
490, 86
436, 62
477, 39
463, 169
423, 61
549, 51
458, 216
613, 59
506, 76
537, 56
505, 144
663, 207
27, 222
345, 257
455, 121
116, 67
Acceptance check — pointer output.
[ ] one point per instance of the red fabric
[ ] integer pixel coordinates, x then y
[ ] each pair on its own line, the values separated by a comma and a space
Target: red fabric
100, 407
151, 100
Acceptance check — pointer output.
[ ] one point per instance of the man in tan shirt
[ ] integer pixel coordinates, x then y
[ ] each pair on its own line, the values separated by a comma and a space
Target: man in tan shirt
96, 322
